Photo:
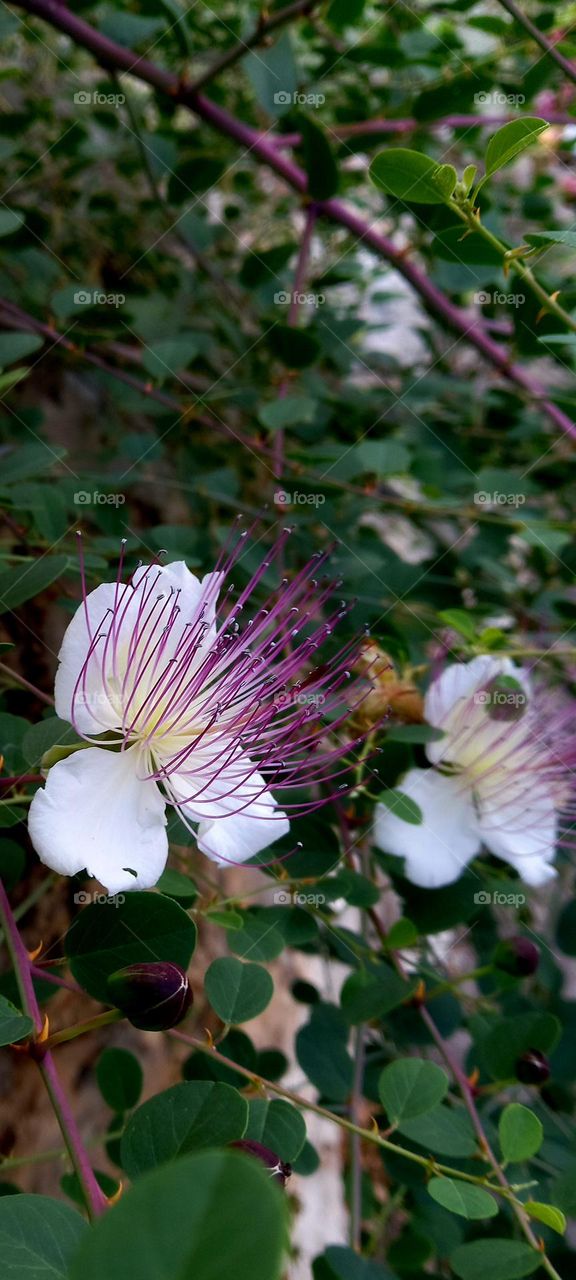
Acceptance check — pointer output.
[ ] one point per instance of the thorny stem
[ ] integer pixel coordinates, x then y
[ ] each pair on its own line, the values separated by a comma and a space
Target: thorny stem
473, 221
468, 1099
370, 1135
94, 1197
264, 27
80, 1028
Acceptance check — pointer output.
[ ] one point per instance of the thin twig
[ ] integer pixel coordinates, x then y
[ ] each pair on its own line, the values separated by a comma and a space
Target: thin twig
264, 27
96, 1201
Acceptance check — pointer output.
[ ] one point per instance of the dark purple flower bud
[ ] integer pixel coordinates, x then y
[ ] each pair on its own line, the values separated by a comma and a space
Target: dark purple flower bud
518, 956
277, 1168
533, 1067
154, 996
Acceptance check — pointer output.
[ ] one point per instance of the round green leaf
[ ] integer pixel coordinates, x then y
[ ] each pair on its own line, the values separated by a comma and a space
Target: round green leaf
409, 175
120, 1078
200, 1113
237, 991
202, 1218
410, 1087
444, 1130
463, 1198
38, 1237
109, 935
277, 1125
520, 1132
498, 1259
259, 938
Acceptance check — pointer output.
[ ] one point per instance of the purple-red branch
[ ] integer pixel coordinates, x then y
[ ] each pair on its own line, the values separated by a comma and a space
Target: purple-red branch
114, 56
96, 1199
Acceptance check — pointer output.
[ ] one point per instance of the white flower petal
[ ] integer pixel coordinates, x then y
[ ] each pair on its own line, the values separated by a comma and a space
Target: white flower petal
95, 812
93, 711
524, 834
238, 816
437, 849
449, 703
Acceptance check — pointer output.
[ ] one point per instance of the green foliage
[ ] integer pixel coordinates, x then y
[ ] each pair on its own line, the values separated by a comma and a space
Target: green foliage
184, 1118
107, 936
395, 387
193, 1219
237, 991
520, 1132
409, 1088
38, 1237
14, 1025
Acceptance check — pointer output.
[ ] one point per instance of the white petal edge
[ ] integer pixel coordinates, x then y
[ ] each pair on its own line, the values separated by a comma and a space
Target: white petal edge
237, 814
458, 683
525, 837
439, 848
96, 812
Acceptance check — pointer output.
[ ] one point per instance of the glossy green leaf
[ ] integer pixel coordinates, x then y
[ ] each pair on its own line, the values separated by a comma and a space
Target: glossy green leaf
237, 991
38, 1237
548, 1214
107, 936
520, 1132
277, 1125
190, 1220
413, 177
187, 1117
462, 1198
410, 1087
499, 1259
